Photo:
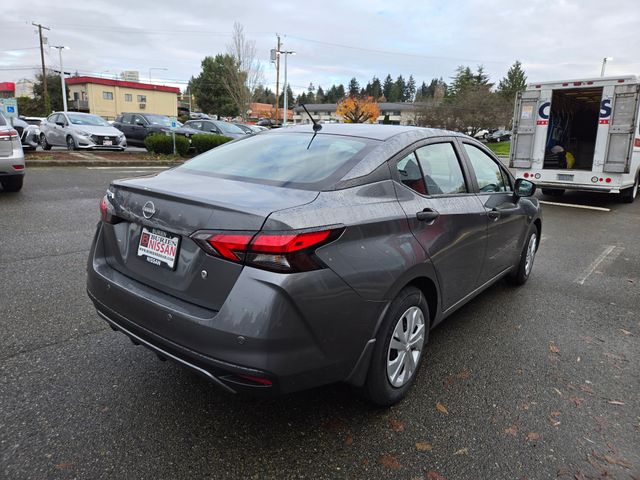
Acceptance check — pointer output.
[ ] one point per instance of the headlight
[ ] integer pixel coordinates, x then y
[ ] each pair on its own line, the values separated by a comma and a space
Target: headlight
83, 133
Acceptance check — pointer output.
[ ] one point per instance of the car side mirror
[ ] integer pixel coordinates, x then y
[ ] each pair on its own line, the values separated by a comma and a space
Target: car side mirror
62, 124
524, 188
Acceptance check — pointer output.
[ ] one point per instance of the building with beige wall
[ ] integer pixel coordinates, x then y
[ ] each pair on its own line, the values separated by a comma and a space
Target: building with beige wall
110, 98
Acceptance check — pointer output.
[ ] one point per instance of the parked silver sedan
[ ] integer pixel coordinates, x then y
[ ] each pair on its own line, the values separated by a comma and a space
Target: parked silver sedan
80, 131
11, 157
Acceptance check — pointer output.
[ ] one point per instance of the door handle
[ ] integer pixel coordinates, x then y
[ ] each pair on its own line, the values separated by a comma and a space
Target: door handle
493, 214
427, 215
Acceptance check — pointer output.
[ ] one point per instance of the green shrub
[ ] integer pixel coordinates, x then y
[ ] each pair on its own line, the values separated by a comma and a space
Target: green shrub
163, 144
205, 141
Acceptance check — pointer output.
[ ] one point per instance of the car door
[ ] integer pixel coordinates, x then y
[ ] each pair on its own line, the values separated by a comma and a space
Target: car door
138, 129
506, 218
444, 214
124, 125
57, 133
211, 127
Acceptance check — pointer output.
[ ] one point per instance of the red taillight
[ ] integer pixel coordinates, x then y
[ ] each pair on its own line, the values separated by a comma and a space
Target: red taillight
525, 175
254, 379
275, 251
18, 167
9, 133
107, 214
608, 180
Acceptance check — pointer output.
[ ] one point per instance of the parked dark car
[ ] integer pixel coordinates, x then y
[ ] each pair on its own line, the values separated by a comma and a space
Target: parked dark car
499, 136
291, 260
138, 126
266, 122
216, 126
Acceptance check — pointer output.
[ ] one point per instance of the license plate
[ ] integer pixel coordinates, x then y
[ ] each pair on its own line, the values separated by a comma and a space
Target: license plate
565, 178
159, 247
107, 141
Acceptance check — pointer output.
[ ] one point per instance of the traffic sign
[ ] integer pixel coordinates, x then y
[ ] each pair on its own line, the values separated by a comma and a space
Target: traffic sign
174, 123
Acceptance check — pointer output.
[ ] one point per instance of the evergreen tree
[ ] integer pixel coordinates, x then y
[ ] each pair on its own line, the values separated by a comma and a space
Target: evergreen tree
354, 87
514, 82
423, 93
376, 88
411, 89
400, 89
320, 98
208, 87
481, 78
340, 92
290, 98
387, 89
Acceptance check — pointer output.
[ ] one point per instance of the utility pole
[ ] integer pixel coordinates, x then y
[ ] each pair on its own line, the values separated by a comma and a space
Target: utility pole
47, 100
277, 76
285, 89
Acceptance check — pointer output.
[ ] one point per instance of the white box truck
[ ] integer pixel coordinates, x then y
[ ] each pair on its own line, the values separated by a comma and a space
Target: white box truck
579, 135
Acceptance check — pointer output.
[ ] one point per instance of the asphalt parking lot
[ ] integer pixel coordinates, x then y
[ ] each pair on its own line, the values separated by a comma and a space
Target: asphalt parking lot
540, 382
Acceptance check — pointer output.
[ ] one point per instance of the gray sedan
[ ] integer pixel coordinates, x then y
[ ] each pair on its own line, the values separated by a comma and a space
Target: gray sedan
302, 256
80, 131
11, 157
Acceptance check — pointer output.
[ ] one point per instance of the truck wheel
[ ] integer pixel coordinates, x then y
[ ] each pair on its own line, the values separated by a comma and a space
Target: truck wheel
553, 192
628, 195
12, 183
521, 275
399, 349
43, 142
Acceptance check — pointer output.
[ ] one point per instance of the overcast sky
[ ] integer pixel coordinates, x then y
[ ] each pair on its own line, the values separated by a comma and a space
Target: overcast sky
334, 40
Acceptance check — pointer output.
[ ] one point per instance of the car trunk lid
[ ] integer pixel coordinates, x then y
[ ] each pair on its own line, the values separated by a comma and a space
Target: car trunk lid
183, 203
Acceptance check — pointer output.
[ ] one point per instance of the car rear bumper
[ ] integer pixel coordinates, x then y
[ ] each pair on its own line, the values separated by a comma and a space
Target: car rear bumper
296, 333
14, 164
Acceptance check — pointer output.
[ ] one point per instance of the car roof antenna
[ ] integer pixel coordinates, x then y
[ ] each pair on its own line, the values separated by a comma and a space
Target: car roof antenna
316, 126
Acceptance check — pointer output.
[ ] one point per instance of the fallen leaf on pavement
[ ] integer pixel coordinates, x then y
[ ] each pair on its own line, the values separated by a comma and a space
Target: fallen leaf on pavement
441, 408
424, 446
464, 374
462, 451
434, 476
587, 389
512, 430
553, 418
557, 391
532, 436
577, 401
63, 466
389, 461
348, 440
396, 425
562, 472
618, 461
625, 332
615, 402
553, 348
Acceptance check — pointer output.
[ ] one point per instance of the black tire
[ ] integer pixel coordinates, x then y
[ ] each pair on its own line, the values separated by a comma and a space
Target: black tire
628, 195
522, 273
71, 143
13, 183
43, 142
553, 192
378, 388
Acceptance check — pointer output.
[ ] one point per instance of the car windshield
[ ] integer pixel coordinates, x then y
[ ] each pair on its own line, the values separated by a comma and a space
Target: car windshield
284, 159
84, 119
228, 127
159, 120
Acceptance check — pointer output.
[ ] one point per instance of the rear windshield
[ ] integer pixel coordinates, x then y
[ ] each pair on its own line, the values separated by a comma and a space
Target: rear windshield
296, 160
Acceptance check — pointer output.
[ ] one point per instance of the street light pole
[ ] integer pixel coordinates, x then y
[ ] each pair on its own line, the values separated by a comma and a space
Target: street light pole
64, 86
604, 64
285, 90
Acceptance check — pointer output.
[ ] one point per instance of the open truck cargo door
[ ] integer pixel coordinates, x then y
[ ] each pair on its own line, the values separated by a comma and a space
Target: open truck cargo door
622, 129
524, 129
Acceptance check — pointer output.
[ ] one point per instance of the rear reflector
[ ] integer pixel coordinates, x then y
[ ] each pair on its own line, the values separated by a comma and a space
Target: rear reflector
18, 167
258, 380
276, 251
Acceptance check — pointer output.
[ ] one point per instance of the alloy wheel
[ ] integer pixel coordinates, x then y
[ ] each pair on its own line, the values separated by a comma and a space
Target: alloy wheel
531, 253
405, 347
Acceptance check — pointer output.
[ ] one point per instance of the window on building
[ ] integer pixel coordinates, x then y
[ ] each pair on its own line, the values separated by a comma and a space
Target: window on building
107, 95
128, 97
142, 98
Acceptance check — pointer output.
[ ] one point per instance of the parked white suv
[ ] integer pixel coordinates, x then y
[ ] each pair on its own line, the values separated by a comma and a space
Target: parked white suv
11, 157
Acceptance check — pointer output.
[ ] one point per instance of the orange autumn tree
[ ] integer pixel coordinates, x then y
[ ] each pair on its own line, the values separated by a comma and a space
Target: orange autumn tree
358, 110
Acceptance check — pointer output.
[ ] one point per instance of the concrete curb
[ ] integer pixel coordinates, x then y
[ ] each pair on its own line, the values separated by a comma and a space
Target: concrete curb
101, 163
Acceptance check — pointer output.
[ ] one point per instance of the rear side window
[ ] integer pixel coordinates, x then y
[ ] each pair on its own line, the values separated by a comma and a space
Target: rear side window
441, 169
3, 122
410, 174
489, 175
297, 160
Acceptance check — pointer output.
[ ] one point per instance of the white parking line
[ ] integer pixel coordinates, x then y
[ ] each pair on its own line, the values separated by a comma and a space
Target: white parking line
127, 168
610, 251
586, 207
